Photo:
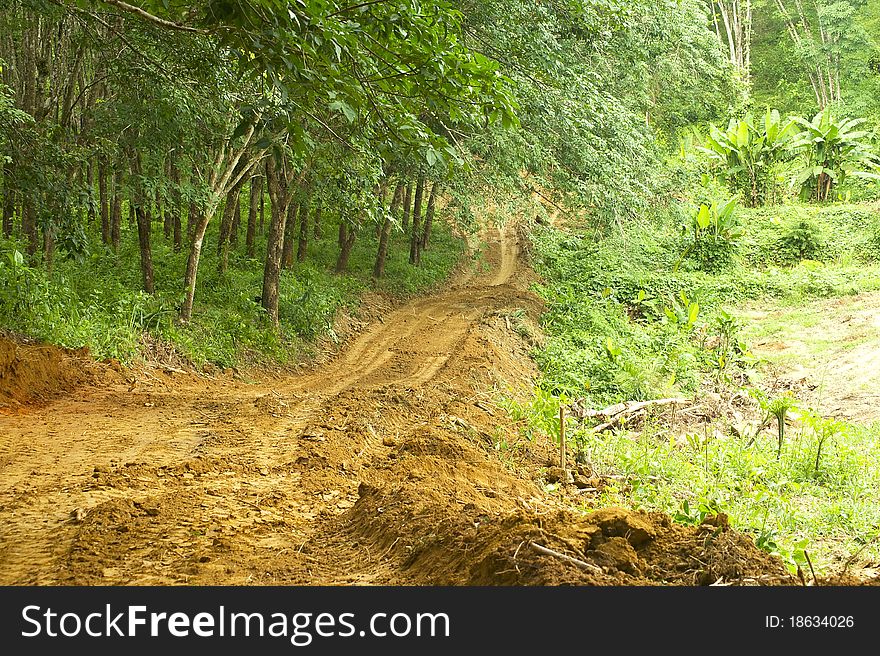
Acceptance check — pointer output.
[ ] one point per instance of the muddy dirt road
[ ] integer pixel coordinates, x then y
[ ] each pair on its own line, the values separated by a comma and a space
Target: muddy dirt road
389, 464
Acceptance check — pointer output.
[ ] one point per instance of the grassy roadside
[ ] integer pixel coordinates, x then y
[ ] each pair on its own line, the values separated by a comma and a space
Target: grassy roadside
630, 319
96, 301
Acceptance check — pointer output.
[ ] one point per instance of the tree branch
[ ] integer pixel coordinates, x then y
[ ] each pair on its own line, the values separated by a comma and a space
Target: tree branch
161, 22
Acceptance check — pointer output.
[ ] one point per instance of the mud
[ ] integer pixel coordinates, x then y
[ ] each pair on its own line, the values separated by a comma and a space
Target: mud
32, 373
390, 463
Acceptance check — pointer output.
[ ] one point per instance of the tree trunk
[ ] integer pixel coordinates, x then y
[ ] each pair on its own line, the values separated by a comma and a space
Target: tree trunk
343, 233
143, 226
415, 241
192, 219
49, 248
397, 199
116, 213
429, 216
289, 236
8, 201
176, 206
275, 240
226, 223
407, 204
199, 224
316, 219
345, 250
236, 223
104, 200
90, 183
303, 245
29, 226
221, 182
253, 207
382, 253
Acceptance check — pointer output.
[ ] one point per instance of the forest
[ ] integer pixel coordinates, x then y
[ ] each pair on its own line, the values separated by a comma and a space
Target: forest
397, 278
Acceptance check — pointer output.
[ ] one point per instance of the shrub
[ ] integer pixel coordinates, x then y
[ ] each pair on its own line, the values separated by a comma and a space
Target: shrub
800, 240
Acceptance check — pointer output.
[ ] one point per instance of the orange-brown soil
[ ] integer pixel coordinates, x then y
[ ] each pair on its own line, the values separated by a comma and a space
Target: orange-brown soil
387, 464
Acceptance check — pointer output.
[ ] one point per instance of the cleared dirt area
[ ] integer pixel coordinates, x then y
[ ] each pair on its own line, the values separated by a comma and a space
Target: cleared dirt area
827, 351
382, 466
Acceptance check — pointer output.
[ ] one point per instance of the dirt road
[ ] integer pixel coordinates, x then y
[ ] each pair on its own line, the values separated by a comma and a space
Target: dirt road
389, 464
825, 352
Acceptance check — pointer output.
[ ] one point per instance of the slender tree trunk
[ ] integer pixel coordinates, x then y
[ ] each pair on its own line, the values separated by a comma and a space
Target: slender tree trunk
104, 200
289, 234
397, 199
90, 183
429, 216
275, 240
262, 214
116, 213
343, 233
303, 245
199, 223
236, 223
176, 206
256, 193
192, 219
407, 205
316, 219
415, 241
226, 228
49, 248
29, 226
345, 250
8, 201
144, 225
144, 230
382, 253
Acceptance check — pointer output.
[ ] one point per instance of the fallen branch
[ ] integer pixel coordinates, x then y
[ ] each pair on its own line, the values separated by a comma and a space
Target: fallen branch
614, 414
593, 569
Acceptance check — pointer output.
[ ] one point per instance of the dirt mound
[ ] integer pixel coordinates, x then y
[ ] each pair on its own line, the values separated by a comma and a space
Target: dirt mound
36, 372
611, 546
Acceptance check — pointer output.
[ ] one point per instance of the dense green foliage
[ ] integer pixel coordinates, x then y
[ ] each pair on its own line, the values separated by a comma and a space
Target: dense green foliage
624, 323
221, 178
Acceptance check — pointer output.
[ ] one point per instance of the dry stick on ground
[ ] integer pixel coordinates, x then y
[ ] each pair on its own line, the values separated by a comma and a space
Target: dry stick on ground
593, 569
616, 413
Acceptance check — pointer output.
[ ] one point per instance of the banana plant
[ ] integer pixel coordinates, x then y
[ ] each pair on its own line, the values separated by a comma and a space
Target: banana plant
832, 150
716, 223
747, 153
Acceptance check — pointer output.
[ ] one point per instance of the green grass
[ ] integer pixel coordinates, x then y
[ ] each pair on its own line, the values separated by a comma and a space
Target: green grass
785, 504
96, 301
616, 331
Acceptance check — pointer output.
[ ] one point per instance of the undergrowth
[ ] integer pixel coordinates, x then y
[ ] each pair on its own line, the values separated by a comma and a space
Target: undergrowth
640, 313
95, 301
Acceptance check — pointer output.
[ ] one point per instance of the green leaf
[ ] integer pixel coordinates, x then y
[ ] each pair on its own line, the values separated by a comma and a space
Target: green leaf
345, 108
703, 217
693, 313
